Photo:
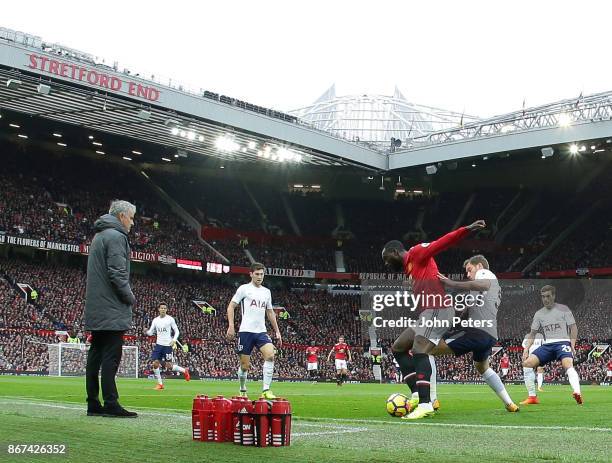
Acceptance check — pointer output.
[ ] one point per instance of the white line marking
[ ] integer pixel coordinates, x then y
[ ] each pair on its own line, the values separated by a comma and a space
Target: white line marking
302, 420
324, 433
463, 425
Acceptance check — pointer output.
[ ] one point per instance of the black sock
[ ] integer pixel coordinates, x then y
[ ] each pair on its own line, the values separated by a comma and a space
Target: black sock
338, 378
344, 377
406, 364
423, 376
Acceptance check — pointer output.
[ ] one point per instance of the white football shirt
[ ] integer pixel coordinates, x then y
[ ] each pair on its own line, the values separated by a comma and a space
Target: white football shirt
487, 311
163, 327
553, 323
253, 302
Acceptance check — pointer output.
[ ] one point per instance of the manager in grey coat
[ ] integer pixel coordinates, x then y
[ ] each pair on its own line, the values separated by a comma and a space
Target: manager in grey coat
108, 307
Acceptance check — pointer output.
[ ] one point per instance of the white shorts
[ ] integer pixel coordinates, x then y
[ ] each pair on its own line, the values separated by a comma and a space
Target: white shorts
609, 373
504, 371
340, 364
442, 318
312, 366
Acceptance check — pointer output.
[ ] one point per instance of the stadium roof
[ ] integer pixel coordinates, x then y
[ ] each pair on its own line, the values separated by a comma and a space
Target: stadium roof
573, 120
65, 85
377, 119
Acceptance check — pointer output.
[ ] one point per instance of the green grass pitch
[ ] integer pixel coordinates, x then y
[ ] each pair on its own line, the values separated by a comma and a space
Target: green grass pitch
331, 423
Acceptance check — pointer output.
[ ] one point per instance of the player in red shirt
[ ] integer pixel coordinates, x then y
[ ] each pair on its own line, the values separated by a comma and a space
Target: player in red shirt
609, 374
504, 364
341, 351
312, 361
419, 265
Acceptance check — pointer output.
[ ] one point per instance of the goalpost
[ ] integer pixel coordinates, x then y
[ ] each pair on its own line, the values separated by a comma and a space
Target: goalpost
69, 359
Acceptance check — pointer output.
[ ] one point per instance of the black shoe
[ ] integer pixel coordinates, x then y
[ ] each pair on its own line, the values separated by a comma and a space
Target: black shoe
95, 412
95, 409
119, 412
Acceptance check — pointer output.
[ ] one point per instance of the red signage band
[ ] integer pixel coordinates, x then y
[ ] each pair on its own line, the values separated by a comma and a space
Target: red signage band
91, 76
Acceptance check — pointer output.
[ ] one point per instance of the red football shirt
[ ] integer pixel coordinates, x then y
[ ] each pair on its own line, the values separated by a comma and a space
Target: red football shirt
312, 352
419, 264
504, 363
340, 351
610, 365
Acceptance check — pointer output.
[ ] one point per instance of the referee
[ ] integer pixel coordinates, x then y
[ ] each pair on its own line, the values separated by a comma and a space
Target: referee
108, 307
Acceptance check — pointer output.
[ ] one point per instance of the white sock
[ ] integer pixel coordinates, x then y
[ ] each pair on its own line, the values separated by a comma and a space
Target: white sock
242, 377
529, 376
157, 373
540, 379
574, 380
177, 368
268, 371
433, 383
495, 383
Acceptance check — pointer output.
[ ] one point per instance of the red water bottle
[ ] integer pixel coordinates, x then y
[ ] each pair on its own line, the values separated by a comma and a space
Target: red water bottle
207, 419
196, 420
236, 426
281, 423
223, 419
242, 419
261, 410
248, 423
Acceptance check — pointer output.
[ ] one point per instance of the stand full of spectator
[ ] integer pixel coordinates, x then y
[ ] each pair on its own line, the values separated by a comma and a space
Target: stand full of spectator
108, 307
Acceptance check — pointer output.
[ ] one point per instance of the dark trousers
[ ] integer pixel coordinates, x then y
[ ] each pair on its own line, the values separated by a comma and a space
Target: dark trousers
104, 355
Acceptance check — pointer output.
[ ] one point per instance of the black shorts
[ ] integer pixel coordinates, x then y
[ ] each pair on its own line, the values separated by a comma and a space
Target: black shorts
247, 341
476, 341
162, 353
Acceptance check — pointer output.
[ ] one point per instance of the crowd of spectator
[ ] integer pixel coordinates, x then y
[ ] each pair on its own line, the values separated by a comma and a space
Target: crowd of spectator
314, 315
303, 256
58, 197
22, 350
59, 201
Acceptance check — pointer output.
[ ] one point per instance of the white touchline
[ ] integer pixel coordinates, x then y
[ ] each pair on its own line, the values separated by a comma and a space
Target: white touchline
465, 425
323, 433
302, 421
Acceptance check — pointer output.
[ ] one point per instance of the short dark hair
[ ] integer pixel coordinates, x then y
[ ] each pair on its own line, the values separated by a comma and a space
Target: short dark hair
547, 288
477, 259
257, 266
161, 303
394, 245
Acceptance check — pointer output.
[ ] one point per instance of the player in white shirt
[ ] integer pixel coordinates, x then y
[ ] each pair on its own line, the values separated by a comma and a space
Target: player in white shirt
479, 341
558, 327
255, 302
163, 326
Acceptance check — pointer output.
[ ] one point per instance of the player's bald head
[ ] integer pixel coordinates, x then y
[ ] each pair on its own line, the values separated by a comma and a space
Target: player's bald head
393, 255
394, 246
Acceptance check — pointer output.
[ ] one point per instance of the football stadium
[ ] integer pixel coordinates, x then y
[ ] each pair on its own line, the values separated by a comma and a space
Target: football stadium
190, 276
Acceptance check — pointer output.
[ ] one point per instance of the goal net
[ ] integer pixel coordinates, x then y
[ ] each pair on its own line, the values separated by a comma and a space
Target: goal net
68, 359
